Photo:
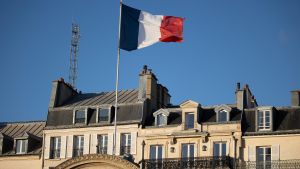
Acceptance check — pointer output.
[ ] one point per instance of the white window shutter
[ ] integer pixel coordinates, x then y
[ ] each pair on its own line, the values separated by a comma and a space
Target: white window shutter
275, 152
251, 153
93, 144
70, 146
133, 142
63, 147
86, 144
47, 147
118, 144
110, 143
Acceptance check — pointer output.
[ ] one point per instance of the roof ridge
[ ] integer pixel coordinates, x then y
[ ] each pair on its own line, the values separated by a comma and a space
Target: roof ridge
20, 122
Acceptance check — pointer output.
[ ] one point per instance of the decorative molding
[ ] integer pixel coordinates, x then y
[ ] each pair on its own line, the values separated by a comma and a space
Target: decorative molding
223, 107
97, 160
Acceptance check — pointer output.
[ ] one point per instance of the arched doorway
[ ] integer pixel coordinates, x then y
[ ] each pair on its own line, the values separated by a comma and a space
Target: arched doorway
93, 161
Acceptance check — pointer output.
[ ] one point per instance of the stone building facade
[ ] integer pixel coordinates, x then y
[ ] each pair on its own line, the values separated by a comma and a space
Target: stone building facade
153, 133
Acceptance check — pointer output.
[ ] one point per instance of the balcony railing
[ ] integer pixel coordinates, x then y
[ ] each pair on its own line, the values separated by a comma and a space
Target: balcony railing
195, 163
77, 152
125, 150
101, 150
54, 154
282, 164
217, 163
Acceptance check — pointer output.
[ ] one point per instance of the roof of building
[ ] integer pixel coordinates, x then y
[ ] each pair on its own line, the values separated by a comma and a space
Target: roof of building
285, 119
32, 129
94, 99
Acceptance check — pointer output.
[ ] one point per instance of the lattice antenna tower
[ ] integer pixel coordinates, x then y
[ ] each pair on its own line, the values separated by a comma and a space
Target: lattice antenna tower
74, 54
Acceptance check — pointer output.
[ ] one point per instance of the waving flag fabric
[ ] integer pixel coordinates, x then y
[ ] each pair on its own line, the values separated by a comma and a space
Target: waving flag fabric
140, 29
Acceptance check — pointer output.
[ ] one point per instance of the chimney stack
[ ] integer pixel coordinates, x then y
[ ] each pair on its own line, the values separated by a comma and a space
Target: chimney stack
295, 97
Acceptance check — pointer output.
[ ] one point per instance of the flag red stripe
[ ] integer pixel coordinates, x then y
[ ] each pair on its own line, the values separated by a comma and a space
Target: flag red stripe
171, 29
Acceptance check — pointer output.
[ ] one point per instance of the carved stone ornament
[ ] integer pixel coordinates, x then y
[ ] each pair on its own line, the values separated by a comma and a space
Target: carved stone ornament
91, 161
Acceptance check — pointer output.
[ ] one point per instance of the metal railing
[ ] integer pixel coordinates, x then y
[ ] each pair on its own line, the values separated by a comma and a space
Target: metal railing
217, 163
77, 152
195, 163
125, 150
280, 164
55, 153
101, 150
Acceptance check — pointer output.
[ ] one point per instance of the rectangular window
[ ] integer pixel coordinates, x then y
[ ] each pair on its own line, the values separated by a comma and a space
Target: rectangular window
219, 149
102, 144
156, 152
55, 143
187, 151
161, 120
222, 116
263, 157
189, 120
21, 146
78, 146
125, 143
103, 115
80, 116
264, 120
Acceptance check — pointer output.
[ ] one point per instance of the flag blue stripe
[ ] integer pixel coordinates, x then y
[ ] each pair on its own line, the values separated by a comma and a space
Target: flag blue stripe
129, 28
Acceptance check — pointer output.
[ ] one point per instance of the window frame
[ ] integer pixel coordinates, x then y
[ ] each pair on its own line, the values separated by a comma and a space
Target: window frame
78, 145
56, 147
85, 115
186, 125
264, 163
102, 143
24, 144
218, 115
156, 147
264, 126
220, 148
108, 114
162, 122
188, 150
124, 148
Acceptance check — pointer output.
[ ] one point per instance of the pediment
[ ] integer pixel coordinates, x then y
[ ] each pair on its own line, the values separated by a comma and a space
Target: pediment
223, 107
161, 111
189, 104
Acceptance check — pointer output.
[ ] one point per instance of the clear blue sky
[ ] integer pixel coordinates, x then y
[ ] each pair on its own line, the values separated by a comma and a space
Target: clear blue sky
254, 42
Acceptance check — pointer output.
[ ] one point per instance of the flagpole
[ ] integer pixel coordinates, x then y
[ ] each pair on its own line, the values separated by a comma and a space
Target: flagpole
117, 84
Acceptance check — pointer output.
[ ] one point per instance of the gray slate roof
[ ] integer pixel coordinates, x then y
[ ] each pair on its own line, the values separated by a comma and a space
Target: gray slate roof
93, 99
33, 129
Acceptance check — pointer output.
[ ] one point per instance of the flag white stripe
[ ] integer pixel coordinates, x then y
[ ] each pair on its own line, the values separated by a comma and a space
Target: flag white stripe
149, 29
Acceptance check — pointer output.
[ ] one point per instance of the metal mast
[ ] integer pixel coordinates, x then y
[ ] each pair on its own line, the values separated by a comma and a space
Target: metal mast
74, 54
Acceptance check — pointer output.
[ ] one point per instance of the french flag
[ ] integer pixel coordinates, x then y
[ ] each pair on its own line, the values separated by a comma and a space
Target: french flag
140, 29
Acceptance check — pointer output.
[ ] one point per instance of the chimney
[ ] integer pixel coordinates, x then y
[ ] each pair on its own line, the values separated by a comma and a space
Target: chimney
244, 98
60, 93
150, 89
295, 97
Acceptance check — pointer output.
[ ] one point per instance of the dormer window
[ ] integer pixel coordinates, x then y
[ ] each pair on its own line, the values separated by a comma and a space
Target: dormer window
21, 146
79, 116
222, 116
161, 120
161, 117
103, 114
264, 118
189, 120
223, 113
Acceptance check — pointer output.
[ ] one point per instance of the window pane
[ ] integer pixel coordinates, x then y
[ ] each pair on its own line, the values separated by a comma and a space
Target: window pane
216, 149
80, 116
222, 116
184, 151
223, 149
18, 146
159, 152
189, 120
161, 119
23, 142
103, 115
152, 152
191, 154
